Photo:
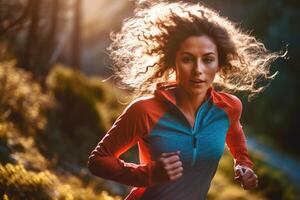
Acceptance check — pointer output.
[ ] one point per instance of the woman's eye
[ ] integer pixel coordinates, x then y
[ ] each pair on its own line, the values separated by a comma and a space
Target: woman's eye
208, 60
187, 59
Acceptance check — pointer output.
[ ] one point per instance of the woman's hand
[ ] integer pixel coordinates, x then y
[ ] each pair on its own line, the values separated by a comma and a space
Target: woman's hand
246, 177
171, 164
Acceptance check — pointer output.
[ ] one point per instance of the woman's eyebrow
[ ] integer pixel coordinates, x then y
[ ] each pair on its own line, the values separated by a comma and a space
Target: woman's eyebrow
209, 53
206, 54
188, 53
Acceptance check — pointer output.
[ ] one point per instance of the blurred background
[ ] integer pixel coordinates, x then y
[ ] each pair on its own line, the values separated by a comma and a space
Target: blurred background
54, 107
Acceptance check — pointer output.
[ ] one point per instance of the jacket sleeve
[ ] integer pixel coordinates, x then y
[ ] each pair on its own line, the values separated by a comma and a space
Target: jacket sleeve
235, 139
104, 160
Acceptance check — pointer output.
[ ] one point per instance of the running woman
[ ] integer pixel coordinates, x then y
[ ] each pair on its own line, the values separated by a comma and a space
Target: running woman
183, 62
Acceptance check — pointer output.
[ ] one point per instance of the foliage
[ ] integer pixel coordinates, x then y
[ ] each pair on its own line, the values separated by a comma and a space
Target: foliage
83, 113
17, 148
21, 116
272, 183
18, 183
223, 186
75, 94
5, 130
25, 174
22, 100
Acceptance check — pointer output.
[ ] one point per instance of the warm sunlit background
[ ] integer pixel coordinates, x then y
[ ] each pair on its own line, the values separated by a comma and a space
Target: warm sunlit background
54, 108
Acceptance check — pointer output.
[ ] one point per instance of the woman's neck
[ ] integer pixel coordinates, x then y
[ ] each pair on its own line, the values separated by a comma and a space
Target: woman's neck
189, 103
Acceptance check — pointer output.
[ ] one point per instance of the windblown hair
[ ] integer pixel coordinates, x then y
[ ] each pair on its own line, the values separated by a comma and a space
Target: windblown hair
144, 50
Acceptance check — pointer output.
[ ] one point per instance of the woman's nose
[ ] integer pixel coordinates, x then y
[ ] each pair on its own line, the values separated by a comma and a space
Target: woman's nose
199, 66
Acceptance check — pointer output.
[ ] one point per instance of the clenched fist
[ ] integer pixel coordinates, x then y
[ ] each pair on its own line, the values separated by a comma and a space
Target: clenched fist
246, 177
167, 167
172, 165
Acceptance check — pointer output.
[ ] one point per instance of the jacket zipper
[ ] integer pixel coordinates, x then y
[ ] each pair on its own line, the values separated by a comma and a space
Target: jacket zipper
194, 149
194, 138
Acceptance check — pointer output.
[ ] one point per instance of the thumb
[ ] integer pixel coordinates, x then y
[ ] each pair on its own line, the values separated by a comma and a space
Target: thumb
238, 176
170, 153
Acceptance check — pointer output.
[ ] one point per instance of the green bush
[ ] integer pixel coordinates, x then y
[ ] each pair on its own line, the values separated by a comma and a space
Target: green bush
21, 115
5, 130
89, 106
273, 183
18, 183
223, 186
22, 100
84, 110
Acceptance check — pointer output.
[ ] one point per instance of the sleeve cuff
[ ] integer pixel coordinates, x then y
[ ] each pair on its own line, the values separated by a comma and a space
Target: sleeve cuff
156, 173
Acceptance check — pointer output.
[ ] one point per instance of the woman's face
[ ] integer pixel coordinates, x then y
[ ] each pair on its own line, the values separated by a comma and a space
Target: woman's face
196, 64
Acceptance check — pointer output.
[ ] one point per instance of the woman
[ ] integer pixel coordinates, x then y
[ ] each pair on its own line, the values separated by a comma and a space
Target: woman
178, 53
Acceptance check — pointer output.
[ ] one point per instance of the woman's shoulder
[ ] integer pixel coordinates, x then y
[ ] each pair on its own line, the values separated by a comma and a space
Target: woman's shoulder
228, 102
227, 97
142, 104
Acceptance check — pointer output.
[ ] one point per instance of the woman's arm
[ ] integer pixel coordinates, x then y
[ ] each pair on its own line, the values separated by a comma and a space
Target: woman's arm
236, 142
104, 160
235, 139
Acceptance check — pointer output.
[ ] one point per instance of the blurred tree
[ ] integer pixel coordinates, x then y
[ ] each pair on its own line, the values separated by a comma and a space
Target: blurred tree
34, 30
17, 16
76, 50
32, 41
41, 41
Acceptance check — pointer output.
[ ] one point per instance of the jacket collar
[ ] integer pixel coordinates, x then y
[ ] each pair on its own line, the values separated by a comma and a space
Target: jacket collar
165, 91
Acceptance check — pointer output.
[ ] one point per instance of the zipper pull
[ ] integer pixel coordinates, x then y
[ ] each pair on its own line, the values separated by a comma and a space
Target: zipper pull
194, 141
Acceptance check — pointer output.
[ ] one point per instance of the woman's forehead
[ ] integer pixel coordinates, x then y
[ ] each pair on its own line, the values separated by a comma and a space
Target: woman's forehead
198, 45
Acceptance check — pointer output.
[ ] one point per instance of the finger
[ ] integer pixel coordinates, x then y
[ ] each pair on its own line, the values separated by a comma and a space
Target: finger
171, 159
249, 175
167, 154
176, 176
239, 172
173, 166
250, 179
238, 178
175, 171
251, 184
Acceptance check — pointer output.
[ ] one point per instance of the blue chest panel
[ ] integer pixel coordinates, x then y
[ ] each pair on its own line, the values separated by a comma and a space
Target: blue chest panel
202, 144
200, 156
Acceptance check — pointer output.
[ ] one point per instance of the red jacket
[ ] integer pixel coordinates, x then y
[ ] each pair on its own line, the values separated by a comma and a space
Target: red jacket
157, 125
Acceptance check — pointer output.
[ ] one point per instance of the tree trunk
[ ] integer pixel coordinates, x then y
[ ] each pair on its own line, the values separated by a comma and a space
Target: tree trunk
48, 45
76, 50
32, 40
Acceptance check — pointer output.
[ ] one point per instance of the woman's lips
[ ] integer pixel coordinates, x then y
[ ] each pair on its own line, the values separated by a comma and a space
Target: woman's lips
197, 81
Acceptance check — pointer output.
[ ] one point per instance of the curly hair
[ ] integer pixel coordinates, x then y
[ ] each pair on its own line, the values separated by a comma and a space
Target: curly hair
144, 50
